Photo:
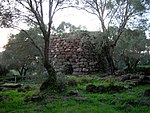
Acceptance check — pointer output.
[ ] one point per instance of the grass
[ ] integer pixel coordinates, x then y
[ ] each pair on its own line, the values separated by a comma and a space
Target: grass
93, 102
15, 101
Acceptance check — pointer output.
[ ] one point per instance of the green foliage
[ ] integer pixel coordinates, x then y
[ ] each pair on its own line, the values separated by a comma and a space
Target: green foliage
145, 69
109, 4
66, 27
120, 14
20, 53
132, 48
3, 70
61, 83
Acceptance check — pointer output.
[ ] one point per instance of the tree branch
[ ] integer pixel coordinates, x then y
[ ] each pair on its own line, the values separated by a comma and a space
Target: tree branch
32, 41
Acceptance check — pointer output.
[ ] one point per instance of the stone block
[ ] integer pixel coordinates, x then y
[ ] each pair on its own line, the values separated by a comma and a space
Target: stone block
79, 50
85, 70
77, 70
83, 60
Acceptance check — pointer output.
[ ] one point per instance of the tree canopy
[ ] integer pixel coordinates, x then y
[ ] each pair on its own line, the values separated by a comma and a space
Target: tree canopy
40, 13
132, 48
20, 53
119, 13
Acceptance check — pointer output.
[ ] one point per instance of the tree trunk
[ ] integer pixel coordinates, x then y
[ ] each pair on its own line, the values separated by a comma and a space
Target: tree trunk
51, 83
107, 51
21, 73
25, 71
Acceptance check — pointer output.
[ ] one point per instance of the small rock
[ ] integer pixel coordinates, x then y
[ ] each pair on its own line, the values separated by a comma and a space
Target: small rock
73, 93
80, 99
125, 77
46, 101
134, 77
36, 98
119, 72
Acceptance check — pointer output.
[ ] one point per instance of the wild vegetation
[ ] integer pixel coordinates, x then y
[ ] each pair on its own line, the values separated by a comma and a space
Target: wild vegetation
29, 82
117, 13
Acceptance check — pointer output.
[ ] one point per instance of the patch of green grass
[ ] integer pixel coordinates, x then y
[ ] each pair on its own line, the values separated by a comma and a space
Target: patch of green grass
90, 106
91, 103
15, 101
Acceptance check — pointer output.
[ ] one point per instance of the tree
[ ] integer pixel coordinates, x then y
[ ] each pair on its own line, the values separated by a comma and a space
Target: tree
66, 27
120, 13
20, 54
132, 48
41, 13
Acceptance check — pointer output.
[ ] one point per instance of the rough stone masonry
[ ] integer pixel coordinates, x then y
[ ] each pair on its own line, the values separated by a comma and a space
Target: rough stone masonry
73, 52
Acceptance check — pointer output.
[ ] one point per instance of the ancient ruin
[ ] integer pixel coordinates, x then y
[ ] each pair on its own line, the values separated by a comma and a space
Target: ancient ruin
73, 56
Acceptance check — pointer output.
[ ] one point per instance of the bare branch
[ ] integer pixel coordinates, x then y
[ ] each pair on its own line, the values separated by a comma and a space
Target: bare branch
50, 19
41, 5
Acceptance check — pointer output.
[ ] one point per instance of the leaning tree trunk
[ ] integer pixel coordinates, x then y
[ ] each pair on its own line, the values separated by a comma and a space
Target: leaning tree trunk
51, 83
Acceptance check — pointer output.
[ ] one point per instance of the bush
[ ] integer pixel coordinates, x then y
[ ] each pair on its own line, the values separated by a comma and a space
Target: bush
3, 70
61, 83
143, 69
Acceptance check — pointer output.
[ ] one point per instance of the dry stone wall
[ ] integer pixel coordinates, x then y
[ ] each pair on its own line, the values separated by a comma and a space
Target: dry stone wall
81, 56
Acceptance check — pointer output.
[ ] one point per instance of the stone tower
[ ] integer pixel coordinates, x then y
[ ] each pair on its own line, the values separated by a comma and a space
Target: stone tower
80, 56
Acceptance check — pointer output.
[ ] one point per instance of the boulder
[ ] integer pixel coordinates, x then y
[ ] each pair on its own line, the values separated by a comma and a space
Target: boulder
125, 77
91, 88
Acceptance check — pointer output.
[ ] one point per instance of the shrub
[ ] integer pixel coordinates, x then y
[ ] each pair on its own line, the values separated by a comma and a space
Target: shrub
3, 70
61, 83
143, 69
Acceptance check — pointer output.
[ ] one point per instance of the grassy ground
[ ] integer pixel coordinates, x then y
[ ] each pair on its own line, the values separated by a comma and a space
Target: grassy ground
84, 102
